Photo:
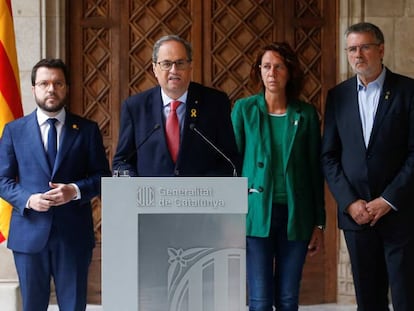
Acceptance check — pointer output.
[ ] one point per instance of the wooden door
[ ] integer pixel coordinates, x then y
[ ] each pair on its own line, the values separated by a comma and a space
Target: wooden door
110, 46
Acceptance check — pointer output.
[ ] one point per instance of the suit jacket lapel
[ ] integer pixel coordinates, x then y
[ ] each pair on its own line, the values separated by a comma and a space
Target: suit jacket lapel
384, 105
264, 124
155, 115
192, 106
155, 105
69, 132
293, 119
36, 143
350, 109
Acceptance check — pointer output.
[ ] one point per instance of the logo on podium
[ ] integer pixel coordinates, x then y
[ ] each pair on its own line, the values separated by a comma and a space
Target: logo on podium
206, 278
146, 197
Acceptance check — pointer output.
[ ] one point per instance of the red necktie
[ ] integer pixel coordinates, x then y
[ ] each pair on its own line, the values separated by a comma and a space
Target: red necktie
172, 128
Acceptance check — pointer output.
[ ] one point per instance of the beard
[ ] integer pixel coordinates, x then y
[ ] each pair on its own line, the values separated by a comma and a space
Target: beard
48, 105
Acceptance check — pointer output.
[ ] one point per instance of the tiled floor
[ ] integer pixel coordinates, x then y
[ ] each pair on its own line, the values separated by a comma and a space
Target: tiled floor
325, 307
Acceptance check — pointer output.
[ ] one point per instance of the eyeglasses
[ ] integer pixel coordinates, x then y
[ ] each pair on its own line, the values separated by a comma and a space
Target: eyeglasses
180, 64
362, 47
45, 85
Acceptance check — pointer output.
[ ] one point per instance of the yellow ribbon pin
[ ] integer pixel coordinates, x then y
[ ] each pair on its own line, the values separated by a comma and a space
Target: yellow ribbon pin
193, 113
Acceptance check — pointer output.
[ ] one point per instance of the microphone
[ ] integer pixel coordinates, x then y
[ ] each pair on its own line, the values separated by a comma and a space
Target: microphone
208, 141
133, 152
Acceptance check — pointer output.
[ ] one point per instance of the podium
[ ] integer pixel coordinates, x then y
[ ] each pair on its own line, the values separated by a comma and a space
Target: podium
174, 243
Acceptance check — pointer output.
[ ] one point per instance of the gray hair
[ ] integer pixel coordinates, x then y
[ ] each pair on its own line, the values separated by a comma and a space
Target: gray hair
366, 27
157, 45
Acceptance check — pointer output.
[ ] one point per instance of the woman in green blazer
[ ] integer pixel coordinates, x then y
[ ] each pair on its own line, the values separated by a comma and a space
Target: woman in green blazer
279, 138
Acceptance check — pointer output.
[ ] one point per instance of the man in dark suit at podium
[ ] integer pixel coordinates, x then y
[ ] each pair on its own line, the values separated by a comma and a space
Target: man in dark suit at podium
164, 130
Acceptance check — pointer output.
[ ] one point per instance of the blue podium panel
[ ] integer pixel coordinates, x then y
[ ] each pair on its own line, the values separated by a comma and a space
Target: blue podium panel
174, 244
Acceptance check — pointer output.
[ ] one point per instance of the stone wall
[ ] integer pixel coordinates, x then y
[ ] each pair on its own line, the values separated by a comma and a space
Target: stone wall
40, 32
7, 270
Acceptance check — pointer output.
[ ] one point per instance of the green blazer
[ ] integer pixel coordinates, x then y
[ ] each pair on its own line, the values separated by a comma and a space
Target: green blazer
301, 154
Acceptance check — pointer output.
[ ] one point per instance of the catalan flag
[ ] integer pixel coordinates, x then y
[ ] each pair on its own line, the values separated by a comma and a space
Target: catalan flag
10, 98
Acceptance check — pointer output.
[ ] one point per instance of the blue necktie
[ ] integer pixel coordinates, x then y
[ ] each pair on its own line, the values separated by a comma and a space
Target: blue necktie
52, 142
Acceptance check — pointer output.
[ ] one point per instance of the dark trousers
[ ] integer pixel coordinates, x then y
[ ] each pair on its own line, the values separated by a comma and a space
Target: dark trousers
66, 264
382, 258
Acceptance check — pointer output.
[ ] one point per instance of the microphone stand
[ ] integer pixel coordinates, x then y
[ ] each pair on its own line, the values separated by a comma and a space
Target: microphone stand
133, 152
208, 141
